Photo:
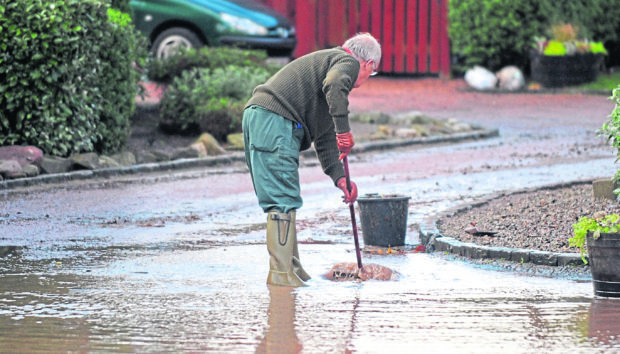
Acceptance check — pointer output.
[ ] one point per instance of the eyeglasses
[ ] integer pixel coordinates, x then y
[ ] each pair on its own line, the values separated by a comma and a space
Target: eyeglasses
373, 66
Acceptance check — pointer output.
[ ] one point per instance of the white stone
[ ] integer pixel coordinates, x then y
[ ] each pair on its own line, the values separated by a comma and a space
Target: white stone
480, 78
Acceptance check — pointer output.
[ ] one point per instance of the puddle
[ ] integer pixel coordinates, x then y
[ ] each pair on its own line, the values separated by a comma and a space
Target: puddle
216, 300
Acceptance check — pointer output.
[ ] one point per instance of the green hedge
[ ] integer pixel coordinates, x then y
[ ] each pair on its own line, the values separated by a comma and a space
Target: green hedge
121, 46
66, 78
496, 33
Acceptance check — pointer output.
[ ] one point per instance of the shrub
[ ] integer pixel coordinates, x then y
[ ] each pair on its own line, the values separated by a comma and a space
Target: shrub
211, 100
493, 33
65, 79
165, 70
496, 33
220, 117
118, 80
611, 130
599, 223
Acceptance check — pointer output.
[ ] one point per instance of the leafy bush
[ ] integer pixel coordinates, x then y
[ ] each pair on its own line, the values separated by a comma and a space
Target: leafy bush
66, 83
496, 33
118, 80
600, 223
165, 70
611, 130
598, 20
210, 100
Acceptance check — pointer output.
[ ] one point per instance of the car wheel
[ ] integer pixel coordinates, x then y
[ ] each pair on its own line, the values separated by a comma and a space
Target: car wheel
171, 39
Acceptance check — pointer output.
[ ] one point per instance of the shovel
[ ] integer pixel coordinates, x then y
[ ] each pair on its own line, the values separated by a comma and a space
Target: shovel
358, 253
347, 271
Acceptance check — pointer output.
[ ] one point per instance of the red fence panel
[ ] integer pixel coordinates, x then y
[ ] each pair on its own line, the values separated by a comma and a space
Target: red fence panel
413, 33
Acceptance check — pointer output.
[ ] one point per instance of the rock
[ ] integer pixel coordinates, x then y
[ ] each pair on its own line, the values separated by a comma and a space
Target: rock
385, 130
423, 130
406, 117
11, 169
54, 164
406, 133
211, 144
457, 126
200, 149
185, 153
24, 155
480, 78
421, 119
125, 158
30, 170
154, 156
604, 189
460, 127
510, 78
235, 141
86, 161
108, 162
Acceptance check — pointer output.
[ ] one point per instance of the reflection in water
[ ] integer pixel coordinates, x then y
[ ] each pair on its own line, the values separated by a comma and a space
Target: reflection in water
280, 335
604, 324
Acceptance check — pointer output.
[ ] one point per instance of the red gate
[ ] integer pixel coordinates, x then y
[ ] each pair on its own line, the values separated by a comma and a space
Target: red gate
413, 33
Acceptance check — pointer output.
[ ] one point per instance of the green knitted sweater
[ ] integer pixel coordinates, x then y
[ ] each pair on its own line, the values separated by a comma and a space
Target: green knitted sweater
314, 92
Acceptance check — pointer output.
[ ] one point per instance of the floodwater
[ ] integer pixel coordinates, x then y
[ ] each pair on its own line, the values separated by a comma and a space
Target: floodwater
139, 299
188, 275
176, 262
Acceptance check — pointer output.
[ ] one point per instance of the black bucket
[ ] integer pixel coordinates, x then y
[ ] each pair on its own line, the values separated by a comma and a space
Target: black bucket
604, 260
384, 219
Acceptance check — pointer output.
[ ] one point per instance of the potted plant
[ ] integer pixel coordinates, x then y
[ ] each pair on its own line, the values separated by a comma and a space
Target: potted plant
600, 234
565, 60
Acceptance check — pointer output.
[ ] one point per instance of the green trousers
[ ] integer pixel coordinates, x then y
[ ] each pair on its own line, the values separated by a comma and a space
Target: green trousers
272, 154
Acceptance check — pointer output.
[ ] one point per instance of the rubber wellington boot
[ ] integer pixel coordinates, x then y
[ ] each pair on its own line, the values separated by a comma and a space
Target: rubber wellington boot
284, 266
297, 268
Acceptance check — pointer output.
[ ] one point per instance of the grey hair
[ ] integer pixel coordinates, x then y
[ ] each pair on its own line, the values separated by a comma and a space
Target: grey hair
364, 47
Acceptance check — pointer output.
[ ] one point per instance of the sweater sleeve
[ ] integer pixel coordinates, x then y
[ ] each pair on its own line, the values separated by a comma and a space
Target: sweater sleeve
327, 153
337, 85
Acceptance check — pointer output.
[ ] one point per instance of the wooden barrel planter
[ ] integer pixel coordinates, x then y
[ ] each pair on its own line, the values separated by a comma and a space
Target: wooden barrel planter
604, 260
566, 70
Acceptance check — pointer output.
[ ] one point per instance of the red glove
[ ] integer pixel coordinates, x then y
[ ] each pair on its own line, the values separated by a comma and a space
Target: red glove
349, 197
345, 143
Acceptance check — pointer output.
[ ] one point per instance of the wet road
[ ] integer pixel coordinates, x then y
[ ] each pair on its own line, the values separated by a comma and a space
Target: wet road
177, 261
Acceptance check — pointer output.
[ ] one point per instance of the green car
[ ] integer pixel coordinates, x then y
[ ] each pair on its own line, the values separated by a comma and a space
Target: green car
195, 23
